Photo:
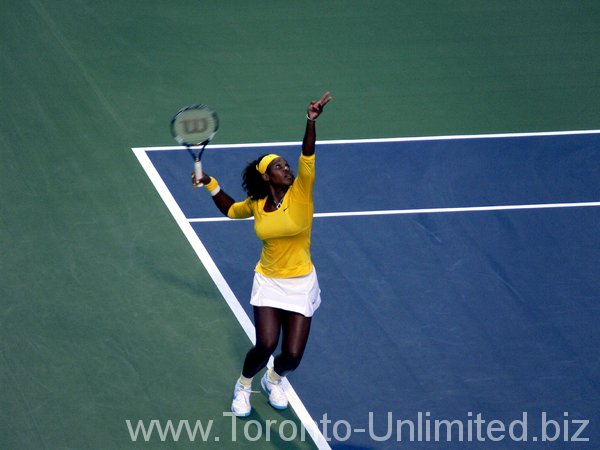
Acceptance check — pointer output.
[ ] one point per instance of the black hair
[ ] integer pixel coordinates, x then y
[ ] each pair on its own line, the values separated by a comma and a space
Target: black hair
252, 181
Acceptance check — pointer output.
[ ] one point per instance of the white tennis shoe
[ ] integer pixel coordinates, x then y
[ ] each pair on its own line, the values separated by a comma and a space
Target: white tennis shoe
240, 406
277, 398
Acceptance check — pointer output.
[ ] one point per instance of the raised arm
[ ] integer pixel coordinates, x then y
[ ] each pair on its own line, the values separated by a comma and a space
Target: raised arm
310, 136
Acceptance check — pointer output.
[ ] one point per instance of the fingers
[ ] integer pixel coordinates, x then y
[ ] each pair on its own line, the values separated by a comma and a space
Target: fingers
196, 183
318, 106
315, 108
326, 98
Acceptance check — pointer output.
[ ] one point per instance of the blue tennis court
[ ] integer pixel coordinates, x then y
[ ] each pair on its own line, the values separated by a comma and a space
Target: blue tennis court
460, 281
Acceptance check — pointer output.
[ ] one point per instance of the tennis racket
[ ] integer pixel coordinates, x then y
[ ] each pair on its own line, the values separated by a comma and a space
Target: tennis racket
194, 126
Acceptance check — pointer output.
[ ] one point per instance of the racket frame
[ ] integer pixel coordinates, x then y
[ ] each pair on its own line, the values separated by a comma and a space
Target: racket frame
196, 149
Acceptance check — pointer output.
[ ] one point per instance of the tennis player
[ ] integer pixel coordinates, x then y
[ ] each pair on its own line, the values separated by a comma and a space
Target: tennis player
285, 291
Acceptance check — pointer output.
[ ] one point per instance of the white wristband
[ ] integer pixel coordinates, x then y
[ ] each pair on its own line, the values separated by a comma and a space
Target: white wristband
312, 120
215, 191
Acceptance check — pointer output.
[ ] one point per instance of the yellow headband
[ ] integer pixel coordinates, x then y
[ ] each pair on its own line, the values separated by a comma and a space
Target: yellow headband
265, 161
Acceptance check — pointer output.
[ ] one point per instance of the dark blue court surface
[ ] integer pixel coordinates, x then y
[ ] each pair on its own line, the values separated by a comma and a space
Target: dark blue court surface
464, 316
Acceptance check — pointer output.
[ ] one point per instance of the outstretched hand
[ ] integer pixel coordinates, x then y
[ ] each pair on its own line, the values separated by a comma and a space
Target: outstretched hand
316, 107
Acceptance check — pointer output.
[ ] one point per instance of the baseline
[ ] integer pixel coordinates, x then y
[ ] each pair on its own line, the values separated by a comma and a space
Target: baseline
378, 140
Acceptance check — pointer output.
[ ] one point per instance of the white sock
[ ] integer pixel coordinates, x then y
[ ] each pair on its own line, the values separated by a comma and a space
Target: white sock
273, 376
245, 381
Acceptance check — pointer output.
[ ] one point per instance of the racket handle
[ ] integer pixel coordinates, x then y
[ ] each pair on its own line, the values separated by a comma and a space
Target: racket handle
198, 172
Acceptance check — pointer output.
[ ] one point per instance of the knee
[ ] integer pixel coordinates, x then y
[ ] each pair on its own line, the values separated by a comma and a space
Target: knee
290, 360
266, 346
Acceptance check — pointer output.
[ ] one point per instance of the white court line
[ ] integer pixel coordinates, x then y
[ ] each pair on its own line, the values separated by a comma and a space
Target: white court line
307, 421
382, 140
424, 211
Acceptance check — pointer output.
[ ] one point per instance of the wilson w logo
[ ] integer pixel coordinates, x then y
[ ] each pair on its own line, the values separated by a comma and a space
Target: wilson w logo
195, 125
168, 431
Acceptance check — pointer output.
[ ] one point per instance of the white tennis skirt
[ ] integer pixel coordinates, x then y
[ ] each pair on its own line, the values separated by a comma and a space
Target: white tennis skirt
298, 294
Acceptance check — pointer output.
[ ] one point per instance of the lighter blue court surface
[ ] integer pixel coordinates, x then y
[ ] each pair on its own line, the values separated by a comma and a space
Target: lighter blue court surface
443, 314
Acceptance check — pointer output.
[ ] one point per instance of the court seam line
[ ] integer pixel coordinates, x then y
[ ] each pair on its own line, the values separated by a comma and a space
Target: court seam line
383, 140
423, 211
304, 416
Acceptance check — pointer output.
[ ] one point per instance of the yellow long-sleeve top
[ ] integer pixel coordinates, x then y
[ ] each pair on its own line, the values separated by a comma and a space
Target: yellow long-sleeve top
285, 232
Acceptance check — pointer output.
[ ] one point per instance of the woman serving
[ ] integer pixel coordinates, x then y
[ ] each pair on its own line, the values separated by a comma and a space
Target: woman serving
285, 290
